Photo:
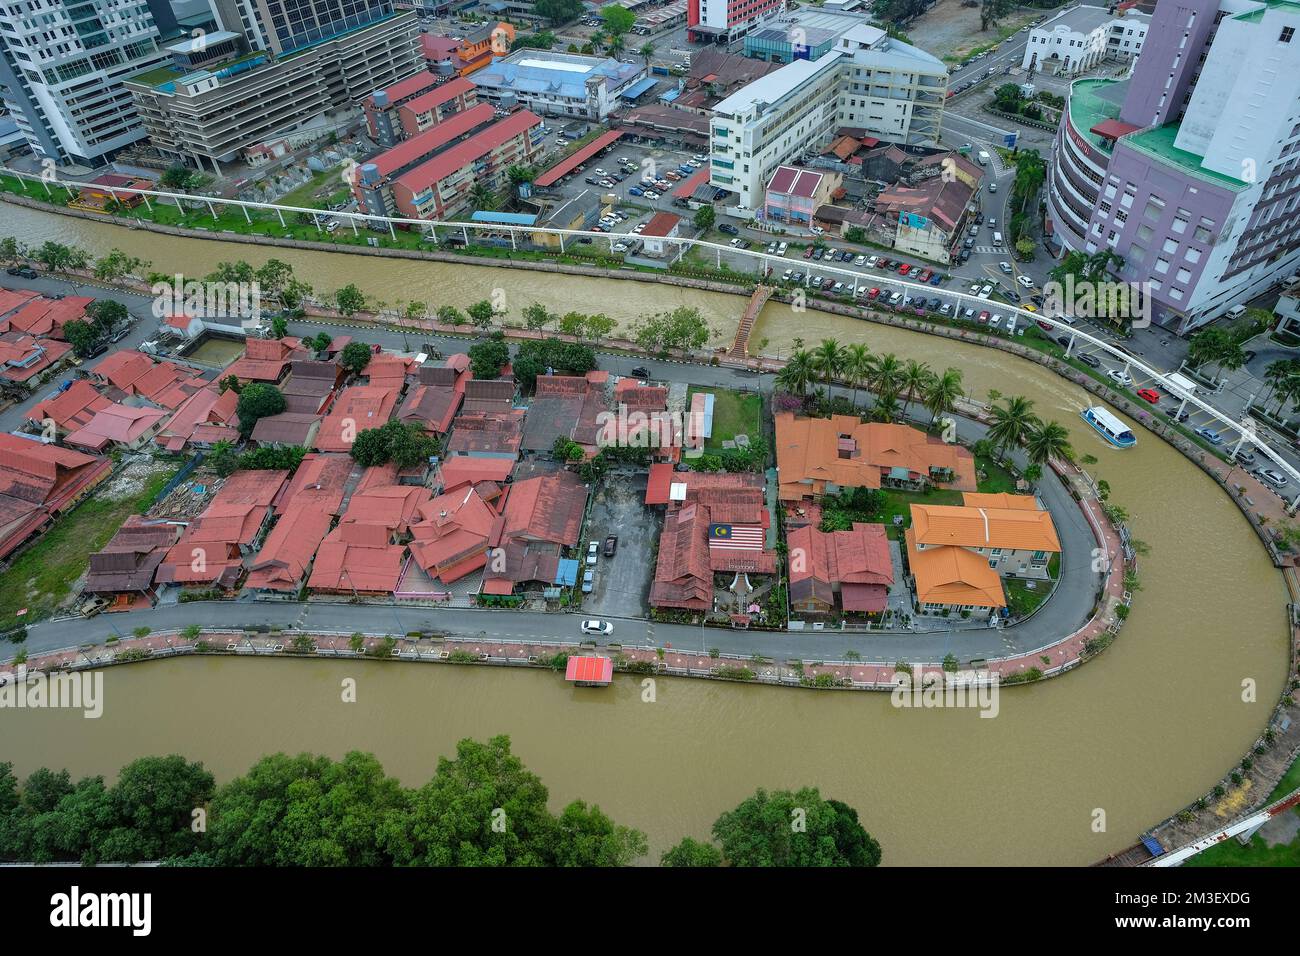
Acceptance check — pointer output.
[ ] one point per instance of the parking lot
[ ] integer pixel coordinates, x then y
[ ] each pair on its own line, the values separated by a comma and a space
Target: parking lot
621, 584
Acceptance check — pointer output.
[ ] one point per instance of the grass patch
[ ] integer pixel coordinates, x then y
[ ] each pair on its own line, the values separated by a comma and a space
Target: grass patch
305, 195
734, 413
996, 479
41, 578
1254, 853
899, 503
1023, 600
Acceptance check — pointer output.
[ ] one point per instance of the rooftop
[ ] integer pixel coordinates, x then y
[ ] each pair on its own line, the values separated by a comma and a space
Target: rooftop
1257, 15
1159, 142
1088, 108
775, 85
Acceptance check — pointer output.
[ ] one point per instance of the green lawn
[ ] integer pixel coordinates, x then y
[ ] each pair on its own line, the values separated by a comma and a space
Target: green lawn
900, 503
734, 413
305, 195
41, 578
997, 479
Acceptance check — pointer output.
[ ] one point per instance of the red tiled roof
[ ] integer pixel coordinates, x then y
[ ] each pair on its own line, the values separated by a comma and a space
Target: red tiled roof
464, 469
551, 176
432, 139
321, 479
358, 408
438, 95
464, 153
793, 181
116, 423
451, 540
282, 563
660, 224
408, 87
73, 408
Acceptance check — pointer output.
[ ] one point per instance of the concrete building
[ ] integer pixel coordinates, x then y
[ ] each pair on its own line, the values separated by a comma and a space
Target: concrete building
62, 72
381, 107
721, 21
888, 89
557, 84
461, 56
1079, 38
1189, 168
793, 194
211, 114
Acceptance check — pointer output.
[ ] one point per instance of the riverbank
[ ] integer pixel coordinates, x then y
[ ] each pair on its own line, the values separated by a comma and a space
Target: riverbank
1215, 647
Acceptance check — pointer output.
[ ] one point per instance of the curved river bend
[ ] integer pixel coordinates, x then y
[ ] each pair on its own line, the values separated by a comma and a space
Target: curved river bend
1139, 732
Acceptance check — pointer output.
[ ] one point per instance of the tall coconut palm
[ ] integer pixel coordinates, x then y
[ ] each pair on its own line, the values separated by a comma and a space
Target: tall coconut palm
913, 380
617, 44
829, 359
646, 52
886, 372
1013, 421
857, 366
1048, 440
942, 393
886, 407
597, 40
1275, 374
482, 196
798, 374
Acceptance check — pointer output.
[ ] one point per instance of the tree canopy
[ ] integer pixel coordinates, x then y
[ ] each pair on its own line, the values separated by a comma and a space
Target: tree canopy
256, 401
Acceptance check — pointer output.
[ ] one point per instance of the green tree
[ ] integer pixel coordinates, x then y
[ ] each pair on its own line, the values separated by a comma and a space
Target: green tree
117, 265
488, 357
992, 11
538, 317
450, 315
482, 196
350, 300
176, 178
704, 218
481, 313
914, 380
618, 20
829, 360
405, 444
1048, 440
256, 401
646, 52
691, 852
1013, 422
355, 357
62, 260
943, 393
682, 328
799, 828
12, 251
81, 336
273, 277
558, 11
799, 373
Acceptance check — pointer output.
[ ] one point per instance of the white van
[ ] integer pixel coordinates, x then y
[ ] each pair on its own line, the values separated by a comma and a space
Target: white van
1236, 312
997, 238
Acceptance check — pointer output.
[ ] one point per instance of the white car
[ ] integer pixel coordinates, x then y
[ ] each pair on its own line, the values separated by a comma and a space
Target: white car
620, 247
782, 248
597, 627
1274, 478
860, 261
651, 194
593, 549
1005, 267
1025, 281
735, 243
873, 261
985, 292
1120, 376
638, 227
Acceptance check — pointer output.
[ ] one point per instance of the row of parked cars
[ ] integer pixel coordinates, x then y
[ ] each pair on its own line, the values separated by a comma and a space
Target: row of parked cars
593, 552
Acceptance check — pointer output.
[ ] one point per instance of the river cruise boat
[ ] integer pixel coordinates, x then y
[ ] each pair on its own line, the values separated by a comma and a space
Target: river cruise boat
1109, 427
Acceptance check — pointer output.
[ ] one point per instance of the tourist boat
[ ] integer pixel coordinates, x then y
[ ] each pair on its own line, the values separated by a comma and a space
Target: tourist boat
1109, 427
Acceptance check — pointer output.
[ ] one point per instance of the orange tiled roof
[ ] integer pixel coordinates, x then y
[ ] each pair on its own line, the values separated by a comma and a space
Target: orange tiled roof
949, 575
967, 527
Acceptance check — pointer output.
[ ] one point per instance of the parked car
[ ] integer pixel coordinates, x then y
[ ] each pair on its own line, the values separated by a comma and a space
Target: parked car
611, 545
1090, 360
1118, 375
935, 279
729, 229
120, 334
593, 549
1149, 395
1025, 281
1210, 435
640, 372
588, 582
23, 272
636, 191
597, 627
1005, 267
1274, 478
1245, 456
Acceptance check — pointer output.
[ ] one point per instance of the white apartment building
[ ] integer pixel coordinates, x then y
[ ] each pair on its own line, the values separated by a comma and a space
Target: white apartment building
1079, 38
867, 81
62, 66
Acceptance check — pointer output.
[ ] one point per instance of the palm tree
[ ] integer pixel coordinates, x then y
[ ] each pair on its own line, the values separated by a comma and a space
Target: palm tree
1049, 440
1275, 374
798, 374
829, 360
646, 52
913, 380
1013, 422
597, 40
886, 407
886, 372
482, 196
857, 366
942, 393
617, 44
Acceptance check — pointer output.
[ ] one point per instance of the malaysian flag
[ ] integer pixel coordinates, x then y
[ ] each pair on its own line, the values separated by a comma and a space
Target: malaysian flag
738, 537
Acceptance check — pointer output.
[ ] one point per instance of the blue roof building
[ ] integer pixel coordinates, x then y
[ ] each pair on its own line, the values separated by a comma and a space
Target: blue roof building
558, 84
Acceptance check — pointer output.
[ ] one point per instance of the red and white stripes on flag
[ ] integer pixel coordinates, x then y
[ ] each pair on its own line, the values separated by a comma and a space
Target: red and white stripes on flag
737, 537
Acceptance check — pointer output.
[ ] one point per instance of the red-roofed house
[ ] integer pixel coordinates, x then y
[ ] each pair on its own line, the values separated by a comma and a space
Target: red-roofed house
321, 479
464, 469
266, 360
281, 567
23, 358
121, 369
541, 517
126, 565
487, 434
853, 565
357, 409
793, 194
662, 225
566, 406
47, 317
715, 523
38, 482
70, 409
118, 426
11, 299
451, 539
163, 383
205, 418
363, 555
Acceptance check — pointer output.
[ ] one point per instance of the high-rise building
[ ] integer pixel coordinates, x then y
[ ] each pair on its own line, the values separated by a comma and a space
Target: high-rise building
721, 21
62, 67
1189, 169
868, 81
224, 93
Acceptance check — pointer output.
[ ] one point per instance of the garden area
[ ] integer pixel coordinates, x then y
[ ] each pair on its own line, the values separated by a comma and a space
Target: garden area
1024, 596
734, 413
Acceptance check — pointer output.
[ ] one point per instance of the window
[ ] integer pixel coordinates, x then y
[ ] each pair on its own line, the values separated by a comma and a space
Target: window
1121, 216
1184, 275
1192, 255
1287, 34
1170, 246
1145, 232
1179, 225
1162, 266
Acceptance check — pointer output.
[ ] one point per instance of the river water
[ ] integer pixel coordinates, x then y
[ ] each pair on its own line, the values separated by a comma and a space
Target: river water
1135, 734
